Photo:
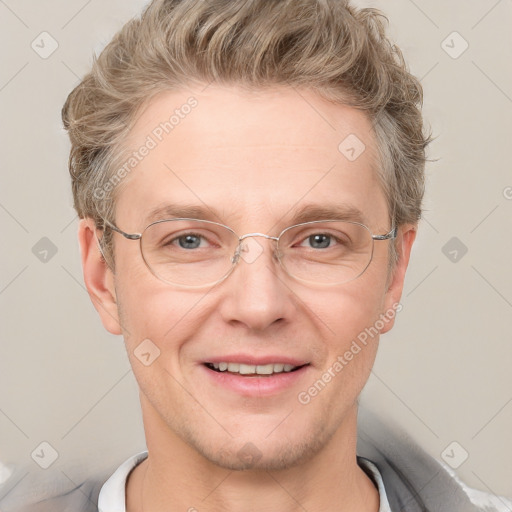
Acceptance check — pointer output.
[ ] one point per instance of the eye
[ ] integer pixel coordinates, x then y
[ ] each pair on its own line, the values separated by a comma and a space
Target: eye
184, 237
187, 241
318, 241
324, 240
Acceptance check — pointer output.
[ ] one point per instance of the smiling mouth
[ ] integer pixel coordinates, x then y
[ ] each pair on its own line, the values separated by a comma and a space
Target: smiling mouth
252, 370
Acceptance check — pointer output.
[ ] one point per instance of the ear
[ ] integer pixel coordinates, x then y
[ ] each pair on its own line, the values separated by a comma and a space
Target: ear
98, 277
405, 239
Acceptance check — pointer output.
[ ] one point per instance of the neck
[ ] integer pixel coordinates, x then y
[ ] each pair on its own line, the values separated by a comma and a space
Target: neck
176, 477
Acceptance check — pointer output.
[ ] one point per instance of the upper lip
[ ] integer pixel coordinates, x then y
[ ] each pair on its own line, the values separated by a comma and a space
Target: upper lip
257, 360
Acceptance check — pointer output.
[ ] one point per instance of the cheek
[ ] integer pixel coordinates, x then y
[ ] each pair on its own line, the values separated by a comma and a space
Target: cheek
347, 321
348, 346
150, 309
349, 310
158, 325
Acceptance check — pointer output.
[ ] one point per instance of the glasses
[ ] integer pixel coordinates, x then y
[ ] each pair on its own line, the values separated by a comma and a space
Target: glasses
196, 253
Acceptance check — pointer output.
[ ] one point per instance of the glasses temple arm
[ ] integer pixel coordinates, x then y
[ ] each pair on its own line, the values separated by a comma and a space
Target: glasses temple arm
388, 236
129, 236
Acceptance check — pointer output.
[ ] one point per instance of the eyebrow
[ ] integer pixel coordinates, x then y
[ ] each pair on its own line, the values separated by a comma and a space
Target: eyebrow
306, 213
312, 212
184, 211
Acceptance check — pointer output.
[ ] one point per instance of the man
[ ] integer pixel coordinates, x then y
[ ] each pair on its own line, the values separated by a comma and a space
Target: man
249, 176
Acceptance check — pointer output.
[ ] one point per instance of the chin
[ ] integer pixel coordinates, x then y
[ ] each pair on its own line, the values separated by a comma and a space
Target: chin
275, 453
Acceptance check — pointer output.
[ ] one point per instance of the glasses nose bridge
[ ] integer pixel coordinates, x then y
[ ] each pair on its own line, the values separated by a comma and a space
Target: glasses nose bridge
263, 235
242, 238
240, 247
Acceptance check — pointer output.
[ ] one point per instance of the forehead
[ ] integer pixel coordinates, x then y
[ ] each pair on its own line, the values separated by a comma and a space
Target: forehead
266, 152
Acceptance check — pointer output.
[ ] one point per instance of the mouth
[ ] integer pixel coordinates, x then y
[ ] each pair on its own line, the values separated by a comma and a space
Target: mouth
256, 376
252, 370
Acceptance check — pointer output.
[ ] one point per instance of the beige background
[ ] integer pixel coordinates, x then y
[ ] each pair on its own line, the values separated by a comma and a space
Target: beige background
443, 372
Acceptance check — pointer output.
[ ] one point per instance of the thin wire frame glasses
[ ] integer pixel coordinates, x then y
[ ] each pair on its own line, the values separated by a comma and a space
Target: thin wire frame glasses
195, 253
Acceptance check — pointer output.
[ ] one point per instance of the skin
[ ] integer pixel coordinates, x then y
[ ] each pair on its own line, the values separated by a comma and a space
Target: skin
255, 158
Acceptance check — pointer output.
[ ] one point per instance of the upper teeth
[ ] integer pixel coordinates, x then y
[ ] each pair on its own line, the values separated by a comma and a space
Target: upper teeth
261, 369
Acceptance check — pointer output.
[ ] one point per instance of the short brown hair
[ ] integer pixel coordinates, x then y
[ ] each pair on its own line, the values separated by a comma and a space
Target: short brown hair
328, 46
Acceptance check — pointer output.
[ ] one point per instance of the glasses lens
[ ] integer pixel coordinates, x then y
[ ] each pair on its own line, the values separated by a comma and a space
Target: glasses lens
326, 252
188, 252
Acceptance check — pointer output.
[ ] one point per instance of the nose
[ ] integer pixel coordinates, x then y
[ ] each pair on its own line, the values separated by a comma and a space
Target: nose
256, 294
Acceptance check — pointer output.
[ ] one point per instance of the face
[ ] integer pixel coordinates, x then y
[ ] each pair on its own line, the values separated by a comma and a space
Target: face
251, 161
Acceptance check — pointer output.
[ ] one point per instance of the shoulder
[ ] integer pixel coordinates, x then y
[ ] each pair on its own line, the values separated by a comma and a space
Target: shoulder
31, 491
414, 480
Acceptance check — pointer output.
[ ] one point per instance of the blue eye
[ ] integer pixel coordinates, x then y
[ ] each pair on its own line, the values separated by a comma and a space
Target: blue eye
319, 241
189, 241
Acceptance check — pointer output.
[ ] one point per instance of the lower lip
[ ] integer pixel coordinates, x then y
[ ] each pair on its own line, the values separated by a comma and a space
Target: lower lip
264, 385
